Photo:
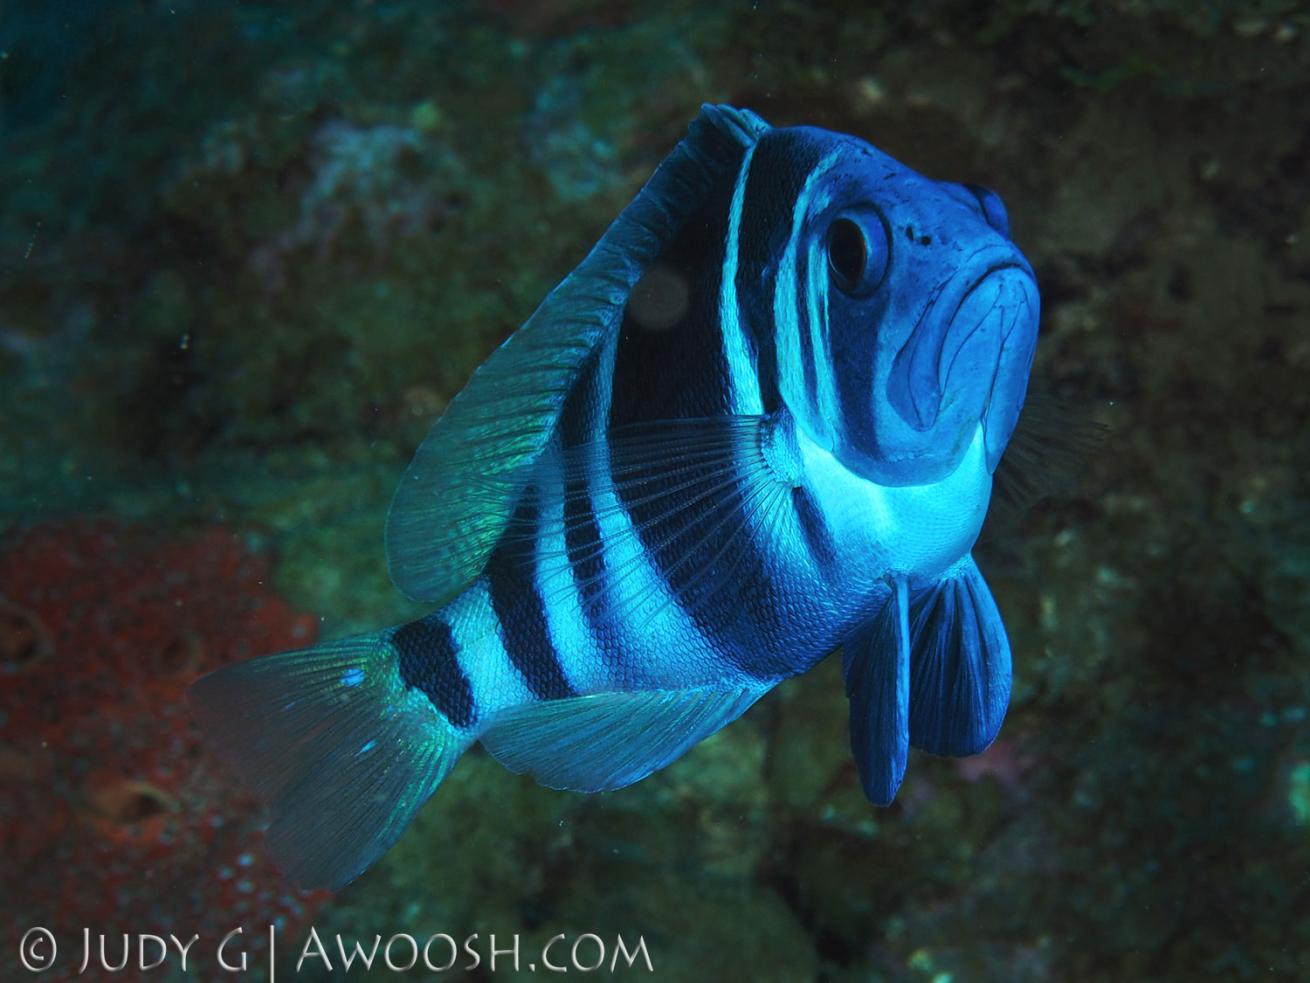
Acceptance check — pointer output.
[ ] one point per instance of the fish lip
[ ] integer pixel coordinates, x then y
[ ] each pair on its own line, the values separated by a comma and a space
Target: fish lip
953, 341
922, 367
1014, 359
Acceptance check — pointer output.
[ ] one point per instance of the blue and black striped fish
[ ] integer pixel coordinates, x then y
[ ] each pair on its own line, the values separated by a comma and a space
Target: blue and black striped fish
759, 422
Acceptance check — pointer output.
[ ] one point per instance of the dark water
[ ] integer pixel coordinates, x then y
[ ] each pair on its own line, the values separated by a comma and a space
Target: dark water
249, 250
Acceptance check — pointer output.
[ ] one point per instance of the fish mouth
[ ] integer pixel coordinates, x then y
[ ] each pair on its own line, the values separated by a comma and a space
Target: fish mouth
968, 356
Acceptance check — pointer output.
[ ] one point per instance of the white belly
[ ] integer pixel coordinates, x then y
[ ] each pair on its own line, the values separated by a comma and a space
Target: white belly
914, 530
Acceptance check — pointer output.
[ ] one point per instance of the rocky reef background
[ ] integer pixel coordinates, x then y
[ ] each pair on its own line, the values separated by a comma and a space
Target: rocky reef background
248, 252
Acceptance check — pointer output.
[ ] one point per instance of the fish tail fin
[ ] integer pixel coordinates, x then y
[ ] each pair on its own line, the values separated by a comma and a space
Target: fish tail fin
340, 749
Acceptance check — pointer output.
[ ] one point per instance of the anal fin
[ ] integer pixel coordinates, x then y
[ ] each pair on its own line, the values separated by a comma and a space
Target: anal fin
604, 741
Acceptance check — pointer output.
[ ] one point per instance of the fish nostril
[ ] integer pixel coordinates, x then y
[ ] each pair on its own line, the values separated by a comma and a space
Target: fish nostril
993, 209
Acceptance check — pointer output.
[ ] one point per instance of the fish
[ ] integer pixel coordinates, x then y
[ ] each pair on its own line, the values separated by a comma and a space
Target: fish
756, 425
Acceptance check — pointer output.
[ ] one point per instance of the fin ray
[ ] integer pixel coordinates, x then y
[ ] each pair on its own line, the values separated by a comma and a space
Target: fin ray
331, 741
700, 514
707, 525
876, 664
1047, 455
606, 741
960, 668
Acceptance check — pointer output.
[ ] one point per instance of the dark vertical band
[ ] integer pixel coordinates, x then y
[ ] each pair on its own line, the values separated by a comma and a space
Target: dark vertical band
426, 653
519, 607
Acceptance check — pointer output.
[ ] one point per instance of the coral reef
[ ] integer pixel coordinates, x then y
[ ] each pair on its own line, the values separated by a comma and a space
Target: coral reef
111, 816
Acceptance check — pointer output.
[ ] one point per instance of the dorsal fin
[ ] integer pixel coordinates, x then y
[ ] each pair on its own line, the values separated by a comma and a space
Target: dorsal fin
460, 489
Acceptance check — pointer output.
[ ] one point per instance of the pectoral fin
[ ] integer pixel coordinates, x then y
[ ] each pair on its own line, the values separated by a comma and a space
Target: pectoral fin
1052, 444
687, 499
876, 663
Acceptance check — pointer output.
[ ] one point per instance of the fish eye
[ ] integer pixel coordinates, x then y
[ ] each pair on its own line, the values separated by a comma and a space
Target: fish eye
856, 261
993, 208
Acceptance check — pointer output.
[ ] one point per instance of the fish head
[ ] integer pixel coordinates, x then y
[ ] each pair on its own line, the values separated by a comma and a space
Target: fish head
905, 317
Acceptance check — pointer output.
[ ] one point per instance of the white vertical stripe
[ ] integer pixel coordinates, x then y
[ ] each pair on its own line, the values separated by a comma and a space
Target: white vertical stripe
826, 396
743, 382
787, 312
580, 657
495, 682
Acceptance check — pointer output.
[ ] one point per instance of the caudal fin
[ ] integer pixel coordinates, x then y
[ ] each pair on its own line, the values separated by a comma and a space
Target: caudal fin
333, 741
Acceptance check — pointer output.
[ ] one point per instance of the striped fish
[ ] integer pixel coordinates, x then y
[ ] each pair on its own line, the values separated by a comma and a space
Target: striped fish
758, 423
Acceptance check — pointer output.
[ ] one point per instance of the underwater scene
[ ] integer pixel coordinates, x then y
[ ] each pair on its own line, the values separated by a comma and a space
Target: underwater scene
749, 491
